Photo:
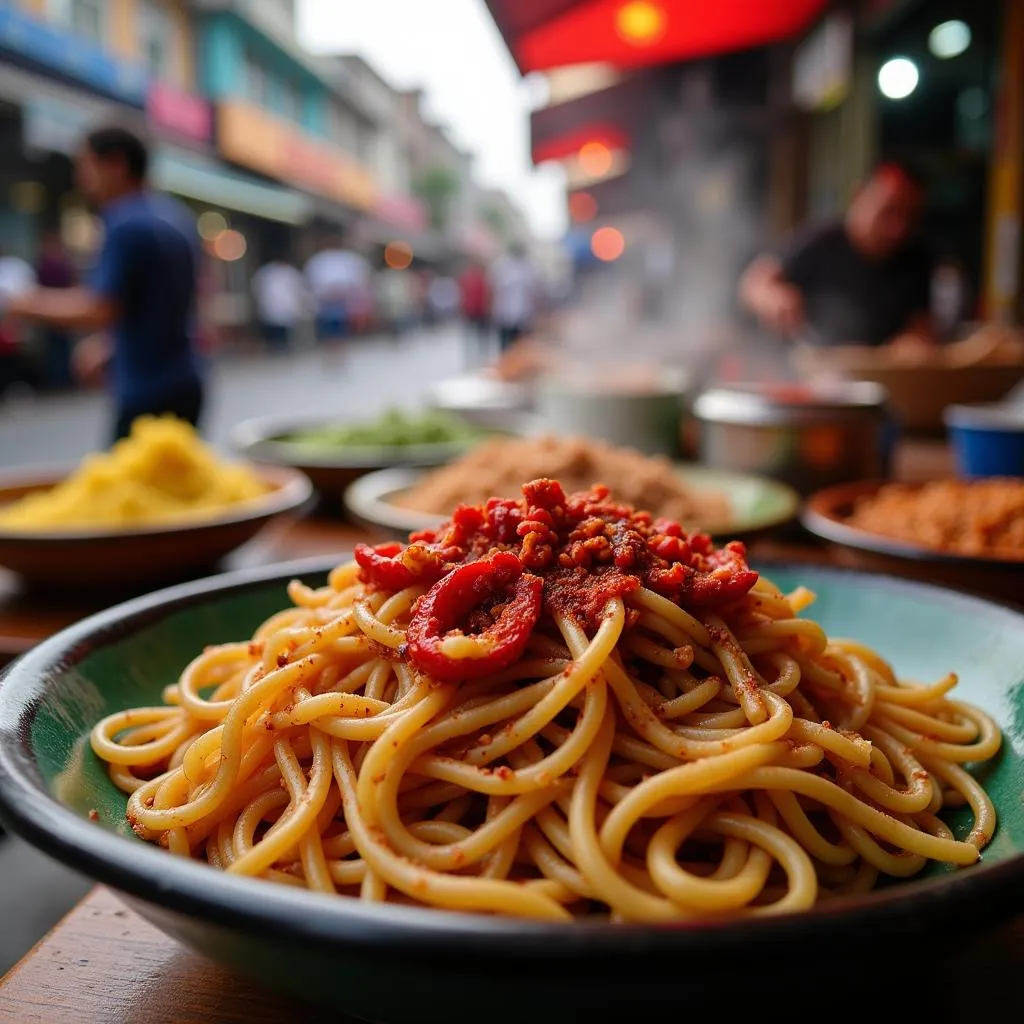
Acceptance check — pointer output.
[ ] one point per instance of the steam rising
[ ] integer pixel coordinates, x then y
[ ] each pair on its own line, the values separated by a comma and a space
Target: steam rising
699, 194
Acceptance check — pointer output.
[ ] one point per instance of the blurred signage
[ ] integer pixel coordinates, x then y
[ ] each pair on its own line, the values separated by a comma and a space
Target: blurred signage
401, 212
29, 42
179, 113
823, 64
249, 136
188, 174
51, 126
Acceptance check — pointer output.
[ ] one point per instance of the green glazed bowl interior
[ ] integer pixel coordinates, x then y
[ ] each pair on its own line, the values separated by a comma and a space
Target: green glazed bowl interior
56, 794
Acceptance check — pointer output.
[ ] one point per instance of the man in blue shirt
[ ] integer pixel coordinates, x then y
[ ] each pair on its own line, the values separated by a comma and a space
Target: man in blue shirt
143, 291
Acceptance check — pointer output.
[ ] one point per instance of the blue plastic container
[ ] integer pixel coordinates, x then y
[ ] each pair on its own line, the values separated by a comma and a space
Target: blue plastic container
988, 440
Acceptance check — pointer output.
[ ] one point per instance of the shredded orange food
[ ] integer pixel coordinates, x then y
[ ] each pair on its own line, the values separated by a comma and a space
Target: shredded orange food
499, 466
977, 517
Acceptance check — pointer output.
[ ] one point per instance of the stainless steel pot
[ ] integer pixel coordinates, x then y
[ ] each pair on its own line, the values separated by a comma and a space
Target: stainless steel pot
644, 415
807, 435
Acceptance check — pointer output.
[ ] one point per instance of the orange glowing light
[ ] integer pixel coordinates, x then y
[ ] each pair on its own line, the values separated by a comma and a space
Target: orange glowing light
641, 22
607, 244
230, 245
398, 255
582, 207
595, 158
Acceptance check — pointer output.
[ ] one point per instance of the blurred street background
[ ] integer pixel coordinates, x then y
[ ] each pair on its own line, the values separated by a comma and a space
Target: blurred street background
356, 382
637, 162
465, 175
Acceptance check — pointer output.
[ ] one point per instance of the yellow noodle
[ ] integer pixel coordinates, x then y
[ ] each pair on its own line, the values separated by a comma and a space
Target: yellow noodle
661, 767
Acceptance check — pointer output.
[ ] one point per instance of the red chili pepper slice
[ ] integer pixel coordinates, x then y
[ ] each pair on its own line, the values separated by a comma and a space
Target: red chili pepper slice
394, 567
453, 598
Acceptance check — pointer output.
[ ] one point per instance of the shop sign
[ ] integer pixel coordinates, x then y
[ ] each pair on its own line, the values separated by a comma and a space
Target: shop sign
248, 136
179, 113
401, 212
27, 41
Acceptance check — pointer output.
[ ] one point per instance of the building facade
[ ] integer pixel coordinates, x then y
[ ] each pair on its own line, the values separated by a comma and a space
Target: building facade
280, 147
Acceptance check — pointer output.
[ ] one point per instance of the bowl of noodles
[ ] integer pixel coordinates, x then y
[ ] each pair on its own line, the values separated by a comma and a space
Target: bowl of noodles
559, 755
156, 508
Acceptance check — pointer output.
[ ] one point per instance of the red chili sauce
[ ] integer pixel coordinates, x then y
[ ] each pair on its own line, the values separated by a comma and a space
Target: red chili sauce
493, 571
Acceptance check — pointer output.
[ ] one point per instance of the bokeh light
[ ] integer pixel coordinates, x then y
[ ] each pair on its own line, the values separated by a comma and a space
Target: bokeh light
230, 245
211, 224
641, 22
898, 78
949, 39
607, 244
398, 255
81, 231
582, 207
595, 158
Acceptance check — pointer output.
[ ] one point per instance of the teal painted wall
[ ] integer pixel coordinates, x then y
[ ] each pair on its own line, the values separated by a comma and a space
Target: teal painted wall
315, 117
221, 69
224, 42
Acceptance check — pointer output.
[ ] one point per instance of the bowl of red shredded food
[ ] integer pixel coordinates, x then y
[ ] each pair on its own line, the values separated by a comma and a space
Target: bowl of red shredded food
967, 533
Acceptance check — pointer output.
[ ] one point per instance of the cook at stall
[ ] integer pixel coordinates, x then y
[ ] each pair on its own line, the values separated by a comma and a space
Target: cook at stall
861, 280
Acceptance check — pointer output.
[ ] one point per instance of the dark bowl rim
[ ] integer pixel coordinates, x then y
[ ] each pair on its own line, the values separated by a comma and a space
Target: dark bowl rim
187, 887
292, 490
819, 518
366, 499
260, 439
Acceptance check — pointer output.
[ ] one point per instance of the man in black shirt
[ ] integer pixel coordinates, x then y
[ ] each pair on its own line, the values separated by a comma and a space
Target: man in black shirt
864, 280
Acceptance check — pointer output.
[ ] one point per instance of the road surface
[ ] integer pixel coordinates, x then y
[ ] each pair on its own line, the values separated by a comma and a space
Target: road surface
356, 380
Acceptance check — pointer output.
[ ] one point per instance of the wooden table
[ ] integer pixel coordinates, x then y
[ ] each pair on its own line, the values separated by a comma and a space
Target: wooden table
104, 965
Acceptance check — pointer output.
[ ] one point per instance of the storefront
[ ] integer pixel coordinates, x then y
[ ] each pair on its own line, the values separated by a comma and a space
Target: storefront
53, 88
243, 219
833, 89
936, 68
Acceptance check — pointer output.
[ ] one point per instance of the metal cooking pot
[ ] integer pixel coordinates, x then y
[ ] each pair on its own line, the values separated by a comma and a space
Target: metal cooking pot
809, 436
641, 415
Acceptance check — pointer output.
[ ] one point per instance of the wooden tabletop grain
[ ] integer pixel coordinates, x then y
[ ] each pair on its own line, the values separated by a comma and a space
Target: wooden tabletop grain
104, 965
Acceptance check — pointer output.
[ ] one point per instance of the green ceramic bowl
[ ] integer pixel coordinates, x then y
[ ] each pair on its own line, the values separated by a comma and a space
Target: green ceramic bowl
393, 963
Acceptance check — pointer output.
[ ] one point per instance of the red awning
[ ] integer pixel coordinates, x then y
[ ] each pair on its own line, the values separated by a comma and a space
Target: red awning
607, 117
546, 34
516, 18
560, 147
